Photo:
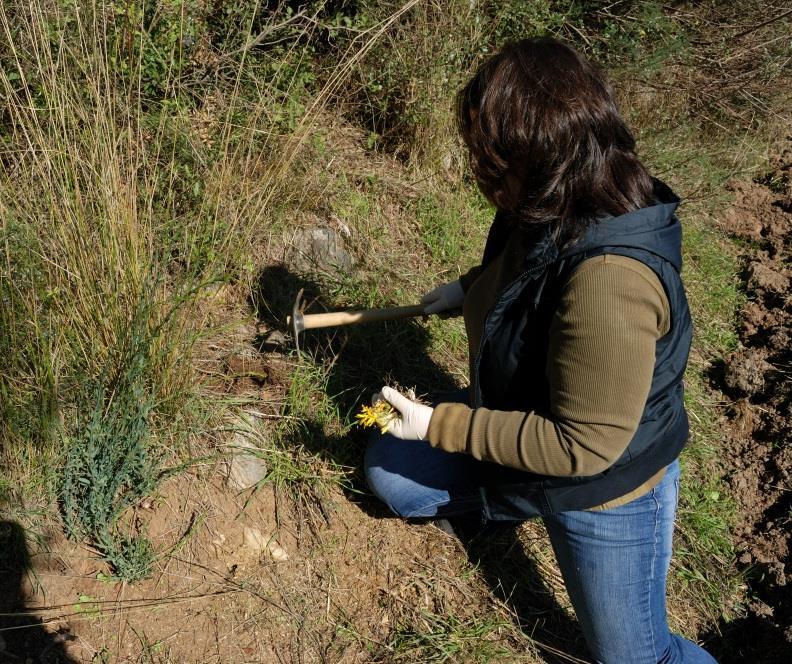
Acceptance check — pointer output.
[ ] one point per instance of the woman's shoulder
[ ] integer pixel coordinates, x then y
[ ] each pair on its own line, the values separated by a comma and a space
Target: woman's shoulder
609, 278
629, 268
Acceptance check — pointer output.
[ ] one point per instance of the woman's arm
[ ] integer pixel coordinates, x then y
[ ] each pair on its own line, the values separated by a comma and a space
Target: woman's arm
600, 363
469, 277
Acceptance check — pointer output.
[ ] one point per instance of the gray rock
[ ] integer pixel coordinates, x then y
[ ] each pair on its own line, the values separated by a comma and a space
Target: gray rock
246, 469
319, 249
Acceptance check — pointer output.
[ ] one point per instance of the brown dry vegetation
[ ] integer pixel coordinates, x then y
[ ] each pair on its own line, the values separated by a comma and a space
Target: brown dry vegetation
183, 200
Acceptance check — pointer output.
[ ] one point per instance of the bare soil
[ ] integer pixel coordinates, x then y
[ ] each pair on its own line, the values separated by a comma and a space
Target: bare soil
758, 422
257, 576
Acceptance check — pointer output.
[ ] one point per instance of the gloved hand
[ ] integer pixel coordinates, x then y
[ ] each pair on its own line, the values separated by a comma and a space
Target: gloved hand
414, 421
443, 298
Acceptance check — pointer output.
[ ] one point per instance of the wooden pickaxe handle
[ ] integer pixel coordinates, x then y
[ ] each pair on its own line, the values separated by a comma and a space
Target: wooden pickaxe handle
335, 318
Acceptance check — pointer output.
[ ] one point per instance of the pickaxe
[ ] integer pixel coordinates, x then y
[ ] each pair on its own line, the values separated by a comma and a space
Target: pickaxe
300, 321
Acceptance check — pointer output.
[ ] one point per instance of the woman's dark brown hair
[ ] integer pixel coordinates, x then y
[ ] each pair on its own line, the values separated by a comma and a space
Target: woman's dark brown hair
546, 139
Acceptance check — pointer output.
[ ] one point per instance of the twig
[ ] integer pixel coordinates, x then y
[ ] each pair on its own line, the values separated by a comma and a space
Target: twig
90, 613
746, 51
266, 32
762, 24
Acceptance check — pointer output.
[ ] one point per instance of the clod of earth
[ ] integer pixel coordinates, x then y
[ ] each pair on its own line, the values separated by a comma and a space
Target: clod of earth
758, 457
762, 277
746, 371
253, 368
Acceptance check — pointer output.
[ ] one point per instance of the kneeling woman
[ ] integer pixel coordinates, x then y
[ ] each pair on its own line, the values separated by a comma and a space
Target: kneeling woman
579, 333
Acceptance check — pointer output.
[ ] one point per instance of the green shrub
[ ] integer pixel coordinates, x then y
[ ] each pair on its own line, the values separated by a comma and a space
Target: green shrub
110, 463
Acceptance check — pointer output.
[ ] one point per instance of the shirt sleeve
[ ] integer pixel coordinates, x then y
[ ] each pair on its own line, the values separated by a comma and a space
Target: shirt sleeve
600, 363
467, 279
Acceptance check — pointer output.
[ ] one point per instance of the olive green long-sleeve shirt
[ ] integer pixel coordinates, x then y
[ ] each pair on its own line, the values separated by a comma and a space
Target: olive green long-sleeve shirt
599, 367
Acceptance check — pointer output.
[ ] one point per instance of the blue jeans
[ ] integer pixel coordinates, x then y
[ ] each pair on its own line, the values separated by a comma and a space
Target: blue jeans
614, 562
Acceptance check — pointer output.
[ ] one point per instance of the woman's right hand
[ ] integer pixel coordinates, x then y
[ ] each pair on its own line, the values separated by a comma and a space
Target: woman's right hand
444, 298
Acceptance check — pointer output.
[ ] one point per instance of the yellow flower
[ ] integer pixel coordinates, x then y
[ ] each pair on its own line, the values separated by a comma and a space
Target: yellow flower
381, 414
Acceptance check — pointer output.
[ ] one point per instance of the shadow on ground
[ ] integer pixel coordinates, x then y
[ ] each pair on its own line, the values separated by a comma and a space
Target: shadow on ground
361, 356
22, 636
514, 578
750, 639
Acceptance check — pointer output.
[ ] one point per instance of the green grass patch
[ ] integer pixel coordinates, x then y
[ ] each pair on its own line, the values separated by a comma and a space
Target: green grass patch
712, 280
307, 447
357, 207
453, 226
447, 638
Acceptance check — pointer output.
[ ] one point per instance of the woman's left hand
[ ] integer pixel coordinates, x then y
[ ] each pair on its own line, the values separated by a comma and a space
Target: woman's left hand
413, 423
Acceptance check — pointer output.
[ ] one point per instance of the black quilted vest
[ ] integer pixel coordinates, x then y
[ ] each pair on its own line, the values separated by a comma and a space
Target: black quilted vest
509, 370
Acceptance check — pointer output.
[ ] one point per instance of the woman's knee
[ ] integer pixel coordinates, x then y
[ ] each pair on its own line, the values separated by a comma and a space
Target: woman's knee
400, 475
388, 486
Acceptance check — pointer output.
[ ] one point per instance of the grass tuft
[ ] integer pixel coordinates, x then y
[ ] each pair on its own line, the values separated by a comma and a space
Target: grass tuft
447, 638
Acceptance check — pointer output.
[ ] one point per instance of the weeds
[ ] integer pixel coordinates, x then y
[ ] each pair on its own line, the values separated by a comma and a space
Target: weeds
114, 207
446, 226
297, 449
713, 284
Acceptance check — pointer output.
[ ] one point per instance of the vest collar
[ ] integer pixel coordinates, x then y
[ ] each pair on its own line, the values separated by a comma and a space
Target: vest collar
654, 229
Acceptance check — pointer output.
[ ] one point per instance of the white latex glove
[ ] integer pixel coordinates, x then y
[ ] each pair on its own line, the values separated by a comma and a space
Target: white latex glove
414, 421
445, 297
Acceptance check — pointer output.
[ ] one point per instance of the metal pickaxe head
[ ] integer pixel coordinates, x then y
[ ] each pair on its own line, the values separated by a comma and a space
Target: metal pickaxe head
296, 320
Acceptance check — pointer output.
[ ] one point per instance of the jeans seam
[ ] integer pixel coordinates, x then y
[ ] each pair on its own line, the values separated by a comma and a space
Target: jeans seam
653, 571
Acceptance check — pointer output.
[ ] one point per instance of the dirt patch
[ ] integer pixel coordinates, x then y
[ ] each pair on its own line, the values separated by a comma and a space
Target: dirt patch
259, 577
759, 423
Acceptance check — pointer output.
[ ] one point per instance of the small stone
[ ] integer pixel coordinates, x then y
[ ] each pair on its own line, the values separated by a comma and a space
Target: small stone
277, 552
275, 340
254, 539
257, 542
344, 229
